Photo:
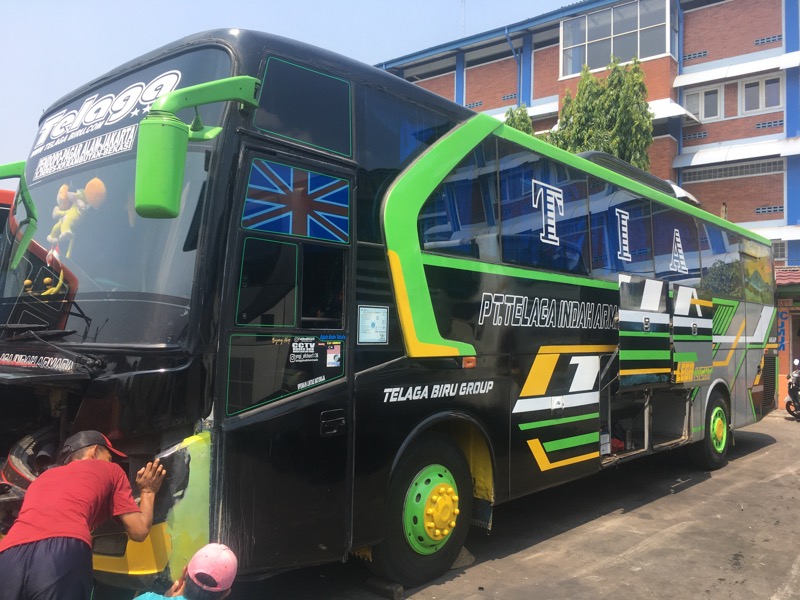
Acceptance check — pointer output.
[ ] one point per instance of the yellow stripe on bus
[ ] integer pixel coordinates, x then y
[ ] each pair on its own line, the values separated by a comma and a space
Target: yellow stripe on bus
540, 374
544, 463
724, 363
699, 302
643, 371
759, 372
414, 346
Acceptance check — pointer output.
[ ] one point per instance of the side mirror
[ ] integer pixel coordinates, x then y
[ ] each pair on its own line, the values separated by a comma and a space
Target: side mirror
160, 163
164, 140
30, 224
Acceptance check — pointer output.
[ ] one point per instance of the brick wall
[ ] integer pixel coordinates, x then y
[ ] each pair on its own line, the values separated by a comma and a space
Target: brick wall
731, 28
662, 152
545, 72
488, 84
659, 74
732, 129
444, 85
742, 196
731, 100
544, 124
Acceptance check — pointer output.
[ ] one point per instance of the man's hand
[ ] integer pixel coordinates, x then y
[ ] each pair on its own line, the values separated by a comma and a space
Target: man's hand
150, 477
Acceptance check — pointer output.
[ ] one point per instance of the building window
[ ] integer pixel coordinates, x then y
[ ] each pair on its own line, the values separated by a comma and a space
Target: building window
778, 250
635, 29
704, 104
768, 210
761, 94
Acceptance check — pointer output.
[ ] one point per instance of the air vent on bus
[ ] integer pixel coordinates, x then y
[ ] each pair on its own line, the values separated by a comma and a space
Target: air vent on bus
628, 170
768, 378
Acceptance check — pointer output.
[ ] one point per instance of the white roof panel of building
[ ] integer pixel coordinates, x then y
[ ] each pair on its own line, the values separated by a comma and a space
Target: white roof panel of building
723, 154
667, 107
786, 233
783, 61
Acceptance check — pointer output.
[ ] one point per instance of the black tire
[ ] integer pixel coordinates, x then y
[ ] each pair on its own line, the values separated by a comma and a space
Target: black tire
406, 555
789, 405
711, 453
20, 467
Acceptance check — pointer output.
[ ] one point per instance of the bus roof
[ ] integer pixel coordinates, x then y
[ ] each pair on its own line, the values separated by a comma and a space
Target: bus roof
249, 47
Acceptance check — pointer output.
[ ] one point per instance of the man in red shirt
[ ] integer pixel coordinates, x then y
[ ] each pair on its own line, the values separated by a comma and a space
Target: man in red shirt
47, 554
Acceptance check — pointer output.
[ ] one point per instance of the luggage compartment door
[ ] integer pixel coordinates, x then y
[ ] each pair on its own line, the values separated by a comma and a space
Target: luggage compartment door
645, 356
692, 317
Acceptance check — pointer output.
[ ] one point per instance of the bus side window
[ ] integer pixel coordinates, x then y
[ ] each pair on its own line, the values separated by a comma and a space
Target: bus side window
267, 284
677, 249
721, 262
323, 286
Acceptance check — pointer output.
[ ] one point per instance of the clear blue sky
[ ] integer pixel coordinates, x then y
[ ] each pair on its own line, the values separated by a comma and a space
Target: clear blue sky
50, 47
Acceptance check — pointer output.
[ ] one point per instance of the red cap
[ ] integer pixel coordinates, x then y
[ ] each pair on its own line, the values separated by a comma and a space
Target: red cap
83, 439
213, 567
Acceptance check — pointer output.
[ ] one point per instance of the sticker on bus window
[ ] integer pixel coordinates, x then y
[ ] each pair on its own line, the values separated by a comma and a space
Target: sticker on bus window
373, 324
334, 354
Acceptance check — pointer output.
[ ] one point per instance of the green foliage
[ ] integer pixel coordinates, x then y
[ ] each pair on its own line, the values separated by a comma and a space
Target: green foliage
518, 119
610, 115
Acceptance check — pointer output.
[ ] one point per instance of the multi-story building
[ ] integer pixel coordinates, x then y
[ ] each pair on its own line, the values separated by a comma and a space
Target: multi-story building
723, 83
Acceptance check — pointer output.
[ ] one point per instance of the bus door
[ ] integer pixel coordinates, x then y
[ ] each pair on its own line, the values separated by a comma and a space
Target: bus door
285, 366
644, 337
692, 316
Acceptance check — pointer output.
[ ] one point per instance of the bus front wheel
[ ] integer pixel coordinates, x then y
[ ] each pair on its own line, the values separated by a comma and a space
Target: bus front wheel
711, 452
430, 505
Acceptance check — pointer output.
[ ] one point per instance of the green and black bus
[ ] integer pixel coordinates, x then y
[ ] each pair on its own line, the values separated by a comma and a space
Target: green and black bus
350, 316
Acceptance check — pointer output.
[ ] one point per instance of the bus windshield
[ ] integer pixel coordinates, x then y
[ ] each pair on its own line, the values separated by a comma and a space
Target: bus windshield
94, 267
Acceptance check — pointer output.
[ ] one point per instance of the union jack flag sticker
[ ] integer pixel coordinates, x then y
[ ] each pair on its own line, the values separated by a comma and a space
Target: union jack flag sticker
293, 201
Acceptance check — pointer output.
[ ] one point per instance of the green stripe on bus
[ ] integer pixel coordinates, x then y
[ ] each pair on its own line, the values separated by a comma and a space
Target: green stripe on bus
551, 422
769, 328
723, 315
402, 205
739, 367
649, 334
644, 354
685, 357
572, 442
692, 338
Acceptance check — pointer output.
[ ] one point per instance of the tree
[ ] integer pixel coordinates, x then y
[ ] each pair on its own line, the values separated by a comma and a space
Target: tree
609, 115
518, 119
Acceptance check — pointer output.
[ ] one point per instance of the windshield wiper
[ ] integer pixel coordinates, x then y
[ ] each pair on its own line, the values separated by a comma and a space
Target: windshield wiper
40, 335
23, 326
90, 362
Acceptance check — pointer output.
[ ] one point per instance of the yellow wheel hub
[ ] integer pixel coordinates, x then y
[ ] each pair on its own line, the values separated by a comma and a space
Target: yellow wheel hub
441, 510
431, 509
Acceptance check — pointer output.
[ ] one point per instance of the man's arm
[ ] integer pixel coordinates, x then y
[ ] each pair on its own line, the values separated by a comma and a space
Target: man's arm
149, 479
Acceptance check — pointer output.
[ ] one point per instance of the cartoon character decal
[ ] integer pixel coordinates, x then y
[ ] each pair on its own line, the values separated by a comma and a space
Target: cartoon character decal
70, 206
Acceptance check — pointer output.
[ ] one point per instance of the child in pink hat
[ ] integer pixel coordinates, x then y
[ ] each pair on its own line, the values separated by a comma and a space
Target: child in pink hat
209, 576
